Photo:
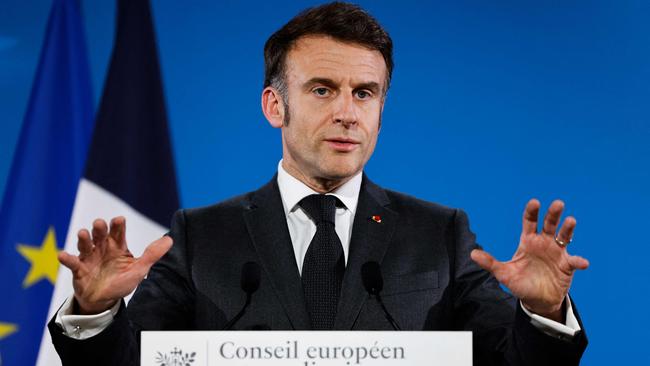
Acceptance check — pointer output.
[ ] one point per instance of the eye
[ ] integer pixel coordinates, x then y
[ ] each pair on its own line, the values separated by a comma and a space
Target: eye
321, 91
363, 94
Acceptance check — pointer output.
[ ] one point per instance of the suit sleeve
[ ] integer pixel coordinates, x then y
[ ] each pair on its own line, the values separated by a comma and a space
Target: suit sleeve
164, 300
502, 332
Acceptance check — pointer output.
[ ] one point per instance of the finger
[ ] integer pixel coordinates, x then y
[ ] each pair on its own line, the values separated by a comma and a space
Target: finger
577, 262
153, 253
70, 261
84, 243
531, 212
566, 230
118, 231
100, 231
552, 218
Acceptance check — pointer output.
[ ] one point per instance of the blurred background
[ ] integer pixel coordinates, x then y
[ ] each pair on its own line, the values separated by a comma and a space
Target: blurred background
492, 103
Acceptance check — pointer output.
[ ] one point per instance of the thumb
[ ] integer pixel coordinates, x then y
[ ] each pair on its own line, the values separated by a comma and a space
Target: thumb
154, 252
485, 260
69, 260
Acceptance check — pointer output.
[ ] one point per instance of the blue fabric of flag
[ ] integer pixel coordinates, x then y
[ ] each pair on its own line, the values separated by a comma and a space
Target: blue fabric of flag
40, 193
131, 153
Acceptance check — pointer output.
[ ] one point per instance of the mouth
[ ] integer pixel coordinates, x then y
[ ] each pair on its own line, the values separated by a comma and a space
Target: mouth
342, 144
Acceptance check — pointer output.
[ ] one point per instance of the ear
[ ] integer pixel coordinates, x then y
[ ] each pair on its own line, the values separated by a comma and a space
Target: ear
272, 106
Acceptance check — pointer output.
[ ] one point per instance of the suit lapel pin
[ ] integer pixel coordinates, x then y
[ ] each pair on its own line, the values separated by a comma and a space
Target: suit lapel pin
376, 218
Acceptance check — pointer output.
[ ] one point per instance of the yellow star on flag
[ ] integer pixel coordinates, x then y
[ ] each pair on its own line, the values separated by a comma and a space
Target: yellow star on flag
7, 329
43, 260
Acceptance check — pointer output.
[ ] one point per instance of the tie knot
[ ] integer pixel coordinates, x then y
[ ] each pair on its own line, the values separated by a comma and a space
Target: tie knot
320, 207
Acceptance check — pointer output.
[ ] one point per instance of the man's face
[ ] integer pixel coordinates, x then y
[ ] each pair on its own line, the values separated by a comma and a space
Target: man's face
335, 96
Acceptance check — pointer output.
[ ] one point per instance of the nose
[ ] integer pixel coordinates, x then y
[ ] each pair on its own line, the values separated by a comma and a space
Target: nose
346, 111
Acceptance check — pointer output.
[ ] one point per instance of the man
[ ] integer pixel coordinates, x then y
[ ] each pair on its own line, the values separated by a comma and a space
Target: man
313, 227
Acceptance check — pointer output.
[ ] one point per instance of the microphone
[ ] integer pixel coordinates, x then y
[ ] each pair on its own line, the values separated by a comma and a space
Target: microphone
250, 282
374, 283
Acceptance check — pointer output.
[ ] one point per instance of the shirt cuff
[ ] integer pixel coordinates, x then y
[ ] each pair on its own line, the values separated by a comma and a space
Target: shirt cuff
84, 326
563, 331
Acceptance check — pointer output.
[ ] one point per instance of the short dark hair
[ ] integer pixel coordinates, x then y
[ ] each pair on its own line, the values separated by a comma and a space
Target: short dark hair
342, 21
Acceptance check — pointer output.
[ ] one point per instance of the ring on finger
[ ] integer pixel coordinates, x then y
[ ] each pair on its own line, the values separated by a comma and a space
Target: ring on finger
562, 243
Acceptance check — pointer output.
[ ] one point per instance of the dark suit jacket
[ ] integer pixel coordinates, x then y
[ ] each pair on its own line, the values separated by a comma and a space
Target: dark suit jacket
423, 248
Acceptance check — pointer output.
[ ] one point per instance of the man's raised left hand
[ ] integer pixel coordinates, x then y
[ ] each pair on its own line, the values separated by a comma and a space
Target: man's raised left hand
541, 270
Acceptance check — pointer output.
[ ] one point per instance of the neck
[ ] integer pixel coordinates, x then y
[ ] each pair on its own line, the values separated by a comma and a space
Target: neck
319, 184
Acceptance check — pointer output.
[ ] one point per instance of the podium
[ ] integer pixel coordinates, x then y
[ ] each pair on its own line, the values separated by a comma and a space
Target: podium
305, 348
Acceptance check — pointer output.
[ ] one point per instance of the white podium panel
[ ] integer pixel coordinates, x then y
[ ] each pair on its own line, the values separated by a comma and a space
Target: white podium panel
306, 348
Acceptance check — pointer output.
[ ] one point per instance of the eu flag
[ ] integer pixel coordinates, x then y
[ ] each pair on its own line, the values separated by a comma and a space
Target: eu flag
40, 192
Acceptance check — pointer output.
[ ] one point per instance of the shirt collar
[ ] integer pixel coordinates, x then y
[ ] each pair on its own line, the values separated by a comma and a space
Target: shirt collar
293, 191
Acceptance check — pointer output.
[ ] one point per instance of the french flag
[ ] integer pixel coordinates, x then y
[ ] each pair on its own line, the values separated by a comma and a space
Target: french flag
129, 169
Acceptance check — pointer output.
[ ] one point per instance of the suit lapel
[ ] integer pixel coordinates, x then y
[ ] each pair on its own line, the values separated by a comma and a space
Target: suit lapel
268, 230
369, 242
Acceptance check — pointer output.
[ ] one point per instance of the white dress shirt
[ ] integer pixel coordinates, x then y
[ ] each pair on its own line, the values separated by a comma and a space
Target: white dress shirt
301, 229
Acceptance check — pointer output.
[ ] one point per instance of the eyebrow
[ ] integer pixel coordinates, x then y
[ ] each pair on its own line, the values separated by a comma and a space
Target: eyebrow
370, 85
322, 81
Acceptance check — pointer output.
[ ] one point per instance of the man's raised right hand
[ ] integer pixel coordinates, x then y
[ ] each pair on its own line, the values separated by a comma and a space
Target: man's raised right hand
105, 271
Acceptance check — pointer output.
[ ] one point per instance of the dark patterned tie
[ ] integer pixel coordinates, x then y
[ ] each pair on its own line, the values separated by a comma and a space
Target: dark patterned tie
324, 264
